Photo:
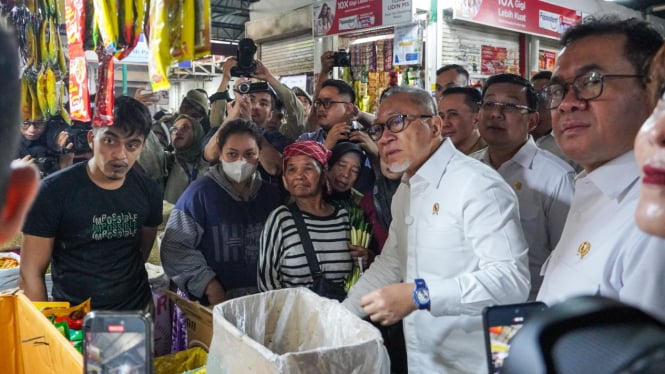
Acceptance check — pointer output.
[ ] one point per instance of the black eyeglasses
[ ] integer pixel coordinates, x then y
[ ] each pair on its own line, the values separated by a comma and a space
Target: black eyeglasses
37, 125
394, 124
504, 107
327, 103
587, 86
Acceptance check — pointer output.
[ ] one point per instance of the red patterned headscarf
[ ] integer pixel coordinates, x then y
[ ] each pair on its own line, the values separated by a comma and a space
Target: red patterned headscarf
307, 148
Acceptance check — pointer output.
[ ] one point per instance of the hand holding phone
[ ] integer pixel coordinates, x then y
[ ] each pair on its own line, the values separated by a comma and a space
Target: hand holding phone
501, 323
117, 342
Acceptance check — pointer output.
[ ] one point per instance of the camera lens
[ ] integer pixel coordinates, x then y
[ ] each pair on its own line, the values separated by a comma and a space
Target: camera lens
244, 87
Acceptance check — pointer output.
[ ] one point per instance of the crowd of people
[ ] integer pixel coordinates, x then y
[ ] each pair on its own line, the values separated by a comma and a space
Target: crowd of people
538, 189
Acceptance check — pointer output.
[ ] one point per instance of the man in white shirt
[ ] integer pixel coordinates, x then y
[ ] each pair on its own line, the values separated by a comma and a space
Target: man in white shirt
543, 183
542, 134
458, 109
447, 76
599, 99
455, 244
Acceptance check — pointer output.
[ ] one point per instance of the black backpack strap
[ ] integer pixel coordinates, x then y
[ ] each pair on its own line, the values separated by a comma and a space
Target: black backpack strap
312, 261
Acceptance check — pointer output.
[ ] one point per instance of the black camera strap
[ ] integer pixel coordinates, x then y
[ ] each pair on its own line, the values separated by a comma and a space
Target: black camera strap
308, 248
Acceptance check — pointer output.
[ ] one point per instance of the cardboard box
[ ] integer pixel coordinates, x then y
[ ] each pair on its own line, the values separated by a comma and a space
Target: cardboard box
199, 321
30, 343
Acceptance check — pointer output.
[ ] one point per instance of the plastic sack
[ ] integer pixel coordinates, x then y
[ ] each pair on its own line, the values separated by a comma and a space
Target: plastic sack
292, 331
9, 276
189, 359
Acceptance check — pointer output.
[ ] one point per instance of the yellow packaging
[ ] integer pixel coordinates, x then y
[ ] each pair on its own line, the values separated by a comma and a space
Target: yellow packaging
30, 343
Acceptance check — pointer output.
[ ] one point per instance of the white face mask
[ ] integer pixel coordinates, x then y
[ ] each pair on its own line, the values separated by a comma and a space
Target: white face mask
238, 171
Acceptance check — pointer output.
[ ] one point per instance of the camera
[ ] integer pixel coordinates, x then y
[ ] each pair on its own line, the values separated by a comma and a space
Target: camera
46, 164
244, 87
246, 65
342, 58
355, 126
78, 135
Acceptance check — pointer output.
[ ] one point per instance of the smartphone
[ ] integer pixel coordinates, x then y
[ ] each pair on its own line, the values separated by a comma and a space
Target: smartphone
500, 323
117, 342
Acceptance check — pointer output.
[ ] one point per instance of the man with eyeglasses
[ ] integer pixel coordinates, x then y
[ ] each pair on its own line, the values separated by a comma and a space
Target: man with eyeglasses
542, 134
455, 244
599, 99
46, 144
543, 182
458, 109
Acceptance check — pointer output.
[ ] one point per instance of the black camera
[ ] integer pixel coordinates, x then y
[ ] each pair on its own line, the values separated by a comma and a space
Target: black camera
78, 135
246, 65
46, 164
342, 58
244, 87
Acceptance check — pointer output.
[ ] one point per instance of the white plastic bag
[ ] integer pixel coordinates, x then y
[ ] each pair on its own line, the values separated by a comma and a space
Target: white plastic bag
293, 331
9, 277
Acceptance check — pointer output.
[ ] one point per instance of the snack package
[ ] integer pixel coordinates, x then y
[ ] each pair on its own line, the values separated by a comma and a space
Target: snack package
79, 96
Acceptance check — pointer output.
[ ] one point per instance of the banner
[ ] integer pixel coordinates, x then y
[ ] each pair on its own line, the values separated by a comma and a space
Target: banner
546, 59
529, 17
338, 16
408, 45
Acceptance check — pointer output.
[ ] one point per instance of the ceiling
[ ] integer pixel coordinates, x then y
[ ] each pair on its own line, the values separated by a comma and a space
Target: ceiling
228, 19
655, 7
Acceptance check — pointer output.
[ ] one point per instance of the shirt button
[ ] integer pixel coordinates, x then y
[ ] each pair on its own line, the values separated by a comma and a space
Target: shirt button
408, 220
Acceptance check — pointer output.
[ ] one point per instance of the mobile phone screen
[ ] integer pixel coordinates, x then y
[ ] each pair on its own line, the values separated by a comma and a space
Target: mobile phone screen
502, 323
117, 344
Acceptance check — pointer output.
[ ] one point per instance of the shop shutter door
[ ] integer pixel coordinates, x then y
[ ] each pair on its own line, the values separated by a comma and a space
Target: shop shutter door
289, 56
462, 44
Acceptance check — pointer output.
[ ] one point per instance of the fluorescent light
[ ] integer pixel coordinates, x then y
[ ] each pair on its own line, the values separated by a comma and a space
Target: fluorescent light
374, 38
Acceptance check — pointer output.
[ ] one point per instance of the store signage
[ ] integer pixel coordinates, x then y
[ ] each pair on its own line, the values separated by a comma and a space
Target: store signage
333, 17
498, 60
529, 17
408, 45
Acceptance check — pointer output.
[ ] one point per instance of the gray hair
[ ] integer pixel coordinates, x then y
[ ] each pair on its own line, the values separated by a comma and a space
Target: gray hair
417, 96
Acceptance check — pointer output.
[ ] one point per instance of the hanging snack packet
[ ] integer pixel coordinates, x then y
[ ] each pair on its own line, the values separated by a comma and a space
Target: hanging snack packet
79, 97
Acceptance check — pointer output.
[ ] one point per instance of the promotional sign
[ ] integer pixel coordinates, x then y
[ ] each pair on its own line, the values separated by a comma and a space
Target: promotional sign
338, 16
408, 45
498, 60
530, 17
546, 59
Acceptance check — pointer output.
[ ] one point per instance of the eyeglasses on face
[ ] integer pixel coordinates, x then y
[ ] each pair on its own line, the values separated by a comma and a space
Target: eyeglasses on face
37, 125
587, 86
394, 124
489, 106
327, 103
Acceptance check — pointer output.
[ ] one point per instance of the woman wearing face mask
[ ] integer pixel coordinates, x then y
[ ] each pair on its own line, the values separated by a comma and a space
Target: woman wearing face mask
211, 241
650, 155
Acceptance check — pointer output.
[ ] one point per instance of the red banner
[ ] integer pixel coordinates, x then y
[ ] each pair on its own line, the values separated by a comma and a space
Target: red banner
529, 17
546, 60
338, 16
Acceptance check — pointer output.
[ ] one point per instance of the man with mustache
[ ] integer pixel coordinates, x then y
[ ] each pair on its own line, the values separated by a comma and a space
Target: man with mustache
598, 98
543, 182
96, 221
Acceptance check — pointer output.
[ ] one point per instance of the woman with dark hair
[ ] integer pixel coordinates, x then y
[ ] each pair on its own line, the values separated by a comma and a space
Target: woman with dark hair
650, 155
282, 259
326, 17
211, 241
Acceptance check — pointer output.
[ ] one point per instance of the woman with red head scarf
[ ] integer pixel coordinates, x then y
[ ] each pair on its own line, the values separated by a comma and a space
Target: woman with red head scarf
282, 259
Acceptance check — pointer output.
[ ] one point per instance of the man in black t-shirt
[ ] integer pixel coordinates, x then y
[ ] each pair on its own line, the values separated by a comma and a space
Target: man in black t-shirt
96, 221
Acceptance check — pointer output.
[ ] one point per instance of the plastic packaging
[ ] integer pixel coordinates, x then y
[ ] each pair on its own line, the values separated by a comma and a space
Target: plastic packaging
292, 331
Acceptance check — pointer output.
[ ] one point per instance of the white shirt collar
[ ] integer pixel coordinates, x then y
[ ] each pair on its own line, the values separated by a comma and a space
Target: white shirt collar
616, 176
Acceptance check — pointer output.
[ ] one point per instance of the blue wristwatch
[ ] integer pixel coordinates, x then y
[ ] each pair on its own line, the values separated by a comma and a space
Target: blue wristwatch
421, 294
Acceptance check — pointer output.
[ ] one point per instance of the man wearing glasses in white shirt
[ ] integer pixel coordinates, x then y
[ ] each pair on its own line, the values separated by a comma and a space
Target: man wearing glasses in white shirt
543, 182
455, 244
599, 98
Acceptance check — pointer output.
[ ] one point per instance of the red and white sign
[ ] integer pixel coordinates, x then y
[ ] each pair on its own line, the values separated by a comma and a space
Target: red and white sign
338, 16
524, 16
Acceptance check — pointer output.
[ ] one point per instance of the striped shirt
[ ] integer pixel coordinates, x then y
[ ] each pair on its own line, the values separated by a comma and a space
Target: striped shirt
282, 260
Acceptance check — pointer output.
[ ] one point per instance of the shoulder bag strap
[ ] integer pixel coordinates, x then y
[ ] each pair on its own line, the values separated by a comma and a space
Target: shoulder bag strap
312, 261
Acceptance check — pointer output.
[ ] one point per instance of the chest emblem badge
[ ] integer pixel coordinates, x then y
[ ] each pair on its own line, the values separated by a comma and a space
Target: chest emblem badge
583, 249
435, 209
518, 185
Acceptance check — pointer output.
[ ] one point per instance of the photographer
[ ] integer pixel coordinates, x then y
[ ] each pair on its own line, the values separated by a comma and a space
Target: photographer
46, 144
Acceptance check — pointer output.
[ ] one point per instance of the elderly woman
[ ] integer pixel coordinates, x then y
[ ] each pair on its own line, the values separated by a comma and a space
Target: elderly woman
211, 241
650, 155
282, 259
344, 166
